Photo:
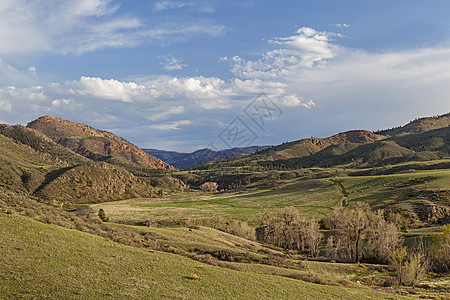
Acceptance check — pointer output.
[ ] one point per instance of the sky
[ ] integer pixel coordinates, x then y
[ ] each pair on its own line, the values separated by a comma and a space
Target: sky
183, 75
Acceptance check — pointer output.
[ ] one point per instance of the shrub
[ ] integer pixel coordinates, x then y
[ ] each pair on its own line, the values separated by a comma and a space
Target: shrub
102, 215
209, 187
193, 277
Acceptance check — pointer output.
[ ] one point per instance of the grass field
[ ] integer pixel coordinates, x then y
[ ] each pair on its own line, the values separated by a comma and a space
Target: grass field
49, 262
313, 198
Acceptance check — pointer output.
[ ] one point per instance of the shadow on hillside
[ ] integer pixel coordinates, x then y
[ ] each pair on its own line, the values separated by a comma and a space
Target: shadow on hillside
288, 189
49, 177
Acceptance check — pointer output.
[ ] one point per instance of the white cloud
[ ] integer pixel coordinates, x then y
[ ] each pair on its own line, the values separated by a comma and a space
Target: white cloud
166, 5
170, 63
60, 102
35, 93
62, 26
171, 32
171, 125
12, 75
106, 89
308, 48
76, 27
152, 99
294, 100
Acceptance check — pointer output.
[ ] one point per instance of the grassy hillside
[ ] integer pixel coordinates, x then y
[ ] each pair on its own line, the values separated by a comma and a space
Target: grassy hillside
41, 143
93, 182
419, 125
23, 169
45, 261
306, 147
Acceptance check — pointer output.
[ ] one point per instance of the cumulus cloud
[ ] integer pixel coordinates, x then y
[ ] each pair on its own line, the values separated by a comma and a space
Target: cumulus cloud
110, 89
170, 63
97, 101
307, 48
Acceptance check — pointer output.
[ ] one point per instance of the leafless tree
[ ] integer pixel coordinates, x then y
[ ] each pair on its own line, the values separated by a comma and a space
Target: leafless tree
383, 238
312, 237
209, 187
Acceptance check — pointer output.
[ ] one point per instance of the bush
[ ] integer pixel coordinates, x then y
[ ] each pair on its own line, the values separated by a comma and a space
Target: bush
209, 187
102, 215
193, 277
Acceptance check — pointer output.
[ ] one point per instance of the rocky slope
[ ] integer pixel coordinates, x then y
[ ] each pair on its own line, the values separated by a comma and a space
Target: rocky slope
96, 144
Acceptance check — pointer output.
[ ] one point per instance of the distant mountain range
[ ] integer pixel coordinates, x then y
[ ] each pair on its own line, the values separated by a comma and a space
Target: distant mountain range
202, 156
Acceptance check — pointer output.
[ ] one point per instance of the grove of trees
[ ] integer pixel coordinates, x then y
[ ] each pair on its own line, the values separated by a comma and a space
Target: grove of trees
357, 234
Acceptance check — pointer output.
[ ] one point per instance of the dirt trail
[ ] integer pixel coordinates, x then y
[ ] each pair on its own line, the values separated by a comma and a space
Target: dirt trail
341, 187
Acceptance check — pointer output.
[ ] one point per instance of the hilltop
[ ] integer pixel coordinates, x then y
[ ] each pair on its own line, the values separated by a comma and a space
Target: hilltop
97, 145
419, 125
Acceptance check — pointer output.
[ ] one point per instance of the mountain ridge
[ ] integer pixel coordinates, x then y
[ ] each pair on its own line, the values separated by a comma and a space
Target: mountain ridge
419, 140
95, 144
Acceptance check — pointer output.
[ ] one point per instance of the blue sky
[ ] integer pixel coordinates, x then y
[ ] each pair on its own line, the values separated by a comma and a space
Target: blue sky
183, 75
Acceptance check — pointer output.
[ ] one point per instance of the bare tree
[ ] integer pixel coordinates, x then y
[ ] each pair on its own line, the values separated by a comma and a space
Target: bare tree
352, 228
209, 187
409, 267
312, 237
383, 238
361, 229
